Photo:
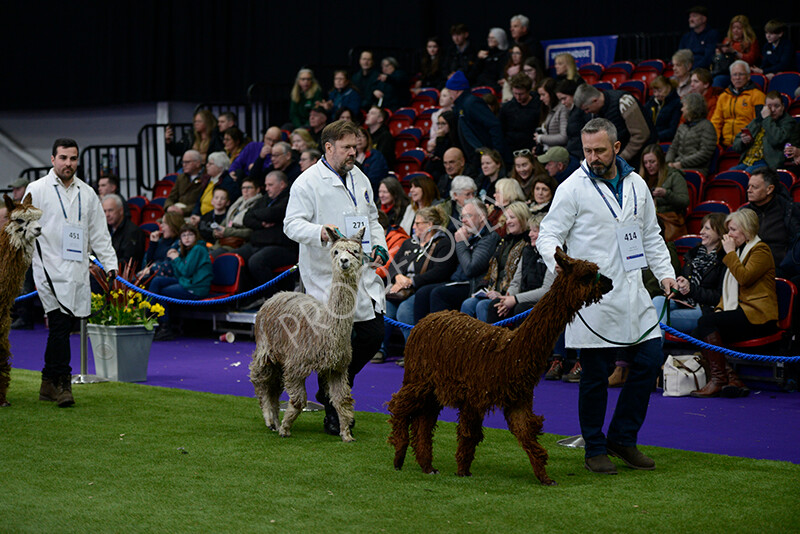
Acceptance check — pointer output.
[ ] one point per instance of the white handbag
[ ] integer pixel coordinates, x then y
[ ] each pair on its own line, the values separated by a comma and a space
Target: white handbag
682, 375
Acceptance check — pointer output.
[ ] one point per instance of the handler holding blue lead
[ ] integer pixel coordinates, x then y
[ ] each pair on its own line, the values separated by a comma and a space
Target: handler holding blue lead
604, 213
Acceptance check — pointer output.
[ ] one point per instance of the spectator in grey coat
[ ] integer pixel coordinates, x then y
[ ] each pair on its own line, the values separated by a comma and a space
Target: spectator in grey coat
695, 140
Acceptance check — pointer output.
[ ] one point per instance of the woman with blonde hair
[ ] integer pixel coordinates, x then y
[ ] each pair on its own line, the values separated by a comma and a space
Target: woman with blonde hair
566, 68
664, 108
749, 304
741, 40
305, 93
204, 137
506, 191
302, 140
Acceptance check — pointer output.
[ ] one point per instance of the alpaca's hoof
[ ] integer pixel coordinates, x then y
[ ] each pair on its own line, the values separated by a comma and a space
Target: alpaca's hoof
432, 472
348, 439
284, 433
4, 404
467, 474
549, 482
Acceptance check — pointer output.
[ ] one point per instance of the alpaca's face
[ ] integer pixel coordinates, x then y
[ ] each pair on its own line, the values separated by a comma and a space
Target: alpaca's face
23, 223
591, 284
346, 254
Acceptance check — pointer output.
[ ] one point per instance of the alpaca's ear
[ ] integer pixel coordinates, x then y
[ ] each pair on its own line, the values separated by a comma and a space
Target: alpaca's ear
333, 236
360, 235
563, 261
9, 203
27, 200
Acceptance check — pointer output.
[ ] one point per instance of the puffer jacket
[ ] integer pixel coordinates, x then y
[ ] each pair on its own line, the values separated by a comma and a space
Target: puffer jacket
735, 110
693, 145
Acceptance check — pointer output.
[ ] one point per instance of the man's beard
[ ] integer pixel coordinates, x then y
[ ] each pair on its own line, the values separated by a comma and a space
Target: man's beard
346, 166
600, 169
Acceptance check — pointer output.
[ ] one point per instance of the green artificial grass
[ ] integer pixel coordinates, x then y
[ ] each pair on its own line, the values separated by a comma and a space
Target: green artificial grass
134, 458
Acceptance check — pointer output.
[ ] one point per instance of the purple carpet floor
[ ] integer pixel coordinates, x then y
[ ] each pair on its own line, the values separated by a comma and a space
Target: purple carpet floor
762, 426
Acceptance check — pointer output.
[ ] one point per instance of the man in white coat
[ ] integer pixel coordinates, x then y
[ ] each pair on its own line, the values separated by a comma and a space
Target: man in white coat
335, 193
73, 224
604, 213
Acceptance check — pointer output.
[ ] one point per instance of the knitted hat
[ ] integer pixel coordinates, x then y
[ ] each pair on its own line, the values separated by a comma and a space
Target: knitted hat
457, 82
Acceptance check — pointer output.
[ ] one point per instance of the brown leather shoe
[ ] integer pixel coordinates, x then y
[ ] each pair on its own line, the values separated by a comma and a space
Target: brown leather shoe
632, 456
735, 387
618, 377
601, 464
65, 398
48, 391
716, 362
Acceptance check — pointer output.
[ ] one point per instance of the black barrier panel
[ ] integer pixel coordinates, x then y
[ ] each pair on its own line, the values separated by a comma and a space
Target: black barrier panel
155, 161
121, 161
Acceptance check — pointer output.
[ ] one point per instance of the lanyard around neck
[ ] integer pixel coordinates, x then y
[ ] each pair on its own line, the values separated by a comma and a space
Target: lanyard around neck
64, 211
613, 213
344, 182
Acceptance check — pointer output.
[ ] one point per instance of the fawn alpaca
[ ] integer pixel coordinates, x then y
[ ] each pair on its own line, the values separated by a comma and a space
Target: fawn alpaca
454, 360
297, 334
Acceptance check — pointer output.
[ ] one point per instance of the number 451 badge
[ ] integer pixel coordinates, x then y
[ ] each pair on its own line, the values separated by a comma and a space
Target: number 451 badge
72, 243
631, 249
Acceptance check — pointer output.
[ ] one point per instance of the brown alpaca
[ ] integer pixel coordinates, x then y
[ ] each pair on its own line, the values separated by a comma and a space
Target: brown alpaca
16, 250
452, 359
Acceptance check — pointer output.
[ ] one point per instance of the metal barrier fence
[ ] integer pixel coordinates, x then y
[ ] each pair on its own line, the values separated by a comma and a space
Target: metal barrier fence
97, 161
154, 160
34, 173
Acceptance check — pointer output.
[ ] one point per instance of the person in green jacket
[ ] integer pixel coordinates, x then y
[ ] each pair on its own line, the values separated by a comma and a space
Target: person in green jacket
192, 281
763, 141
305, 93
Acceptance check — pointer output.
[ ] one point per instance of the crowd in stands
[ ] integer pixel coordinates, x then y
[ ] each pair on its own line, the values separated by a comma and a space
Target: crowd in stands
462, 203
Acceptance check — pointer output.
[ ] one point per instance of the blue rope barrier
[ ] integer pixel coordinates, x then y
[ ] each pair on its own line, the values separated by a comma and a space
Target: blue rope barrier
25, 297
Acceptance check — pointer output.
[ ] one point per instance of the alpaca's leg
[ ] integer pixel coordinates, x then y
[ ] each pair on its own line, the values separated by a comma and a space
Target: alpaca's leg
5, 361
404, 404
422, 427
266, 379
526, 426
296, 388
470, 433
342, 402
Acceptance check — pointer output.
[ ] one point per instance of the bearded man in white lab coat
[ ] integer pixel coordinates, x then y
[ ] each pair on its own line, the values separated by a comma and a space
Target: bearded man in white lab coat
73, 223
604, 213
335, 193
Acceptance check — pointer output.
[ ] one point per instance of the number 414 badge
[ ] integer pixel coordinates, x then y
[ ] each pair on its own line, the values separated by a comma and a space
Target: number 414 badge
629, 239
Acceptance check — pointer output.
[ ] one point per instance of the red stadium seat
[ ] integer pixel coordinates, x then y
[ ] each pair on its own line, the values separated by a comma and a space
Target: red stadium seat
728, 191
787, 292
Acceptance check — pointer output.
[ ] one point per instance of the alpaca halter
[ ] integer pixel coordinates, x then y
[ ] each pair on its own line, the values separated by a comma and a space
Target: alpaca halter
664, 309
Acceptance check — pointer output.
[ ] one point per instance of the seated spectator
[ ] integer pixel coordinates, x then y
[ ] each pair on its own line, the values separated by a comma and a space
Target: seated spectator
763, 141
454, 165
736, 107
106, 185
506, 192
700, 280
778, 216
371, 162
519, 117
213, 219
365, 77
233, 141
188, 186
268, 248
191, 280
477, 125
576, 118
488, 69
695, 140
317, 120
566, 69
492, 102
491, 170
624, 112
302, 140
552, 130
700, 39
503, 264
305, 93
382, 139
533, 69
231, 232
517, 54
531, 281
281, 161
445, 104
393, 201
462, 189
226, 119
348, 115
558, 163
670, 193
204, 137
161, 241
431, 66
682, 71
792, 153
740, 43
127, 239
217, 171
700, 83
749, 304
778, 53
427, 258
447, 138
526, 168
664, 108
253, 151
460, 55
391, 90
519, 26
395, 237
343, 95
544, 187
423, 193
19, 186
308, 158
475, 245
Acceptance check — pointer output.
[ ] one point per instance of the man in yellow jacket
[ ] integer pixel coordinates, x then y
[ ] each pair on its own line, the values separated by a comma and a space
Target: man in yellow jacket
736, 107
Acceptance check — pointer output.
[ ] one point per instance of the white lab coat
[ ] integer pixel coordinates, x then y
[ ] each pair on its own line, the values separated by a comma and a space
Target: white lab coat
581, 220
70, 278
317, 198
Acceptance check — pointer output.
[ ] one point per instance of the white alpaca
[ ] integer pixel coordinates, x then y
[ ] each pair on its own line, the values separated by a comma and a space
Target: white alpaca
296, 335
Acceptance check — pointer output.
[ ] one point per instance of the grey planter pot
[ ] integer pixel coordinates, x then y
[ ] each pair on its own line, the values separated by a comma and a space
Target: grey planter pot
121, 353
